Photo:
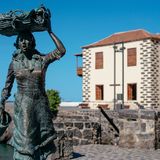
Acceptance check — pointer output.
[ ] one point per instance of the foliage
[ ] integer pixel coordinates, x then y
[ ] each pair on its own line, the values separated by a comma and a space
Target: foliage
54, 99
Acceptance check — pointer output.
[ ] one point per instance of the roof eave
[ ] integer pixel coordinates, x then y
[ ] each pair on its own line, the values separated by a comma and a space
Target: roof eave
93, 46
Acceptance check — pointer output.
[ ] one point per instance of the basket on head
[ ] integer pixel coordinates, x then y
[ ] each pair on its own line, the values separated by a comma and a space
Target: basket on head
16, 21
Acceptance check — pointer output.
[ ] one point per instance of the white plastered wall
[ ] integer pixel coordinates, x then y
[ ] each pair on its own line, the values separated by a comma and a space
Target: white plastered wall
105, 76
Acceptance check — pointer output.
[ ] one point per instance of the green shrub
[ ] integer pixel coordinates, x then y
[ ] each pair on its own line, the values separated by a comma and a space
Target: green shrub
54, 99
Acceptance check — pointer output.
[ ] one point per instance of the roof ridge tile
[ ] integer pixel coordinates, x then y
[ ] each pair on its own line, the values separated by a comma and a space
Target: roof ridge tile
128, 36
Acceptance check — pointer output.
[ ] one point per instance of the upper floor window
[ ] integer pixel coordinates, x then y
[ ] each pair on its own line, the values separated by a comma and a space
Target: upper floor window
99, 60
131, 56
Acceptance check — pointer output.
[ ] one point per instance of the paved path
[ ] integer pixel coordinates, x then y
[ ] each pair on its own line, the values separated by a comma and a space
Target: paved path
108, 152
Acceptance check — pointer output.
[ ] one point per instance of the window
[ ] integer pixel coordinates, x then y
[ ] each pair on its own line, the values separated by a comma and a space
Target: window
99, 92
132, 91
132, 57
99, 60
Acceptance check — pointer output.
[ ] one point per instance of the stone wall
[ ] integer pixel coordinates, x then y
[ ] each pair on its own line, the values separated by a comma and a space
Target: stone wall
137, 128
84, 130
96, 127
157, 132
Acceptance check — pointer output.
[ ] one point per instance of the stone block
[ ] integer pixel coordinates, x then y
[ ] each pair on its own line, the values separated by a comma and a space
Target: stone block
127, 140
75, 141
79, 125
84, 142
87, 134
143, 127
158, 114
144, 114
68, 124
131, 126
77, 117
69, 133
131, 140
128, 114
95, 125
77, 133
58, 125
150, 126
86, 117
145, 136
120, 125
145, 141
106, 138
68, 148
60, 133
87, 125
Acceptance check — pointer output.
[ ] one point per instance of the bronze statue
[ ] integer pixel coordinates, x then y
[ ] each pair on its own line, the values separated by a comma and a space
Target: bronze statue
34, 131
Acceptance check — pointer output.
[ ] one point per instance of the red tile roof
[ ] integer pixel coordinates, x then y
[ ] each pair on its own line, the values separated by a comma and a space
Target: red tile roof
124, 37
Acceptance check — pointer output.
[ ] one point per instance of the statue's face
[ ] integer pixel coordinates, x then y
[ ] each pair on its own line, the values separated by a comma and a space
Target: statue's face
25, 43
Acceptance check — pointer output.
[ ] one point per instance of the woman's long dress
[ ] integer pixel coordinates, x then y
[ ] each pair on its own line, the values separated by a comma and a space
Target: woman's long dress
32, 117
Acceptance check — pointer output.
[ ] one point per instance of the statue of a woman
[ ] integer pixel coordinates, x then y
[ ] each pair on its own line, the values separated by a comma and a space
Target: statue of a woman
34, 132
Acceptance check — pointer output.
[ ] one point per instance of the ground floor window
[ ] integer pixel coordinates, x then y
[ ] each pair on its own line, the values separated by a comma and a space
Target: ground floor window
132, 91
99, 92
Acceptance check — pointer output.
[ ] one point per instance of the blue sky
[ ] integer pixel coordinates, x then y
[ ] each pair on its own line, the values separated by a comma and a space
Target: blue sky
78, 23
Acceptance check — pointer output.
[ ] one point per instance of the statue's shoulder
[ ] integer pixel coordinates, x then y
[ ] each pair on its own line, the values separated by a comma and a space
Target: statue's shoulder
19, 56
37, 55
16, 54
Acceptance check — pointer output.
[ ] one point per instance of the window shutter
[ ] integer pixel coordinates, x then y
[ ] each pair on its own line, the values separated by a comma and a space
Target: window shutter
132, 57
132, 91
129, 92
99, 92
99, 60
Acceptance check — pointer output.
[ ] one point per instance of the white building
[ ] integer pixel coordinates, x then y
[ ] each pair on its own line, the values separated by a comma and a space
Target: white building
102, 70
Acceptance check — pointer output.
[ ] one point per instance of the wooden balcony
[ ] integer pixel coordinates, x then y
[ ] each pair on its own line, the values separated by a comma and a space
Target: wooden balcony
79, 71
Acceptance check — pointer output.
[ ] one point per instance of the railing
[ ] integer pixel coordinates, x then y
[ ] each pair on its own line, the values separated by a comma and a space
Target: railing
109, 119
139, 105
